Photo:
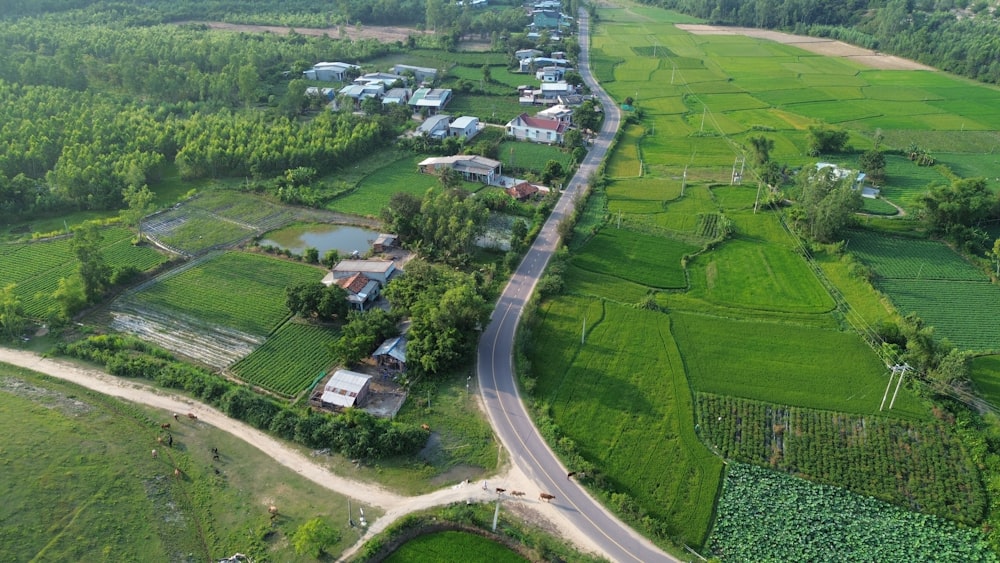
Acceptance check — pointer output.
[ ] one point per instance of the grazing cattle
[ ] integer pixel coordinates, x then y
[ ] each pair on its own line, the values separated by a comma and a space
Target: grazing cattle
177, 472
170, 440
176, 416
217, 472
425, 427
546, 497
273, 511
155, 454
517, 493
192, 416
501, 491
166, 425
570, 474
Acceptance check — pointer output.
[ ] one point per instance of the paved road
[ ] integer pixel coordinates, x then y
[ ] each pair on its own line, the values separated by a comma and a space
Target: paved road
506, 411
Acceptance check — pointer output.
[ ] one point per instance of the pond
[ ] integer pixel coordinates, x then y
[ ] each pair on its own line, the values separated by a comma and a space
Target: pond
345, 239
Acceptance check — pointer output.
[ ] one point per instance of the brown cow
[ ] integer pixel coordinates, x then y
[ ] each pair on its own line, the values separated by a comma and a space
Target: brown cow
273, 511
192, 416
546, 497
517, 493
165, 425
425, 427
177, 472
159, 439
501, 491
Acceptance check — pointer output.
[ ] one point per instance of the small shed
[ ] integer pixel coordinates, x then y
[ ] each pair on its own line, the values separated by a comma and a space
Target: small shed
385, 241
391, 356
522, 191
345, 389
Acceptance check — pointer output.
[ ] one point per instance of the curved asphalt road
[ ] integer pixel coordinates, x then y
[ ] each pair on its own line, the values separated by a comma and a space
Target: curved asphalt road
507, 413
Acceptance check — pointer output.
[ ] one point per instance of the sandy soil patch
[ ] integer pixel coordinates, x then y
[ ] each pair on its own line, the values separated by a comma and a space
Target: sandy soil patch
385, 34
818, 45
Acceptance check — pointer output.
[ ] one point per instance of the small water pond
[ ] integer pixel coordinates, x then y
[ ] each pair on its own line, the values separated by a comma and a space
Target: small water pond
345, 239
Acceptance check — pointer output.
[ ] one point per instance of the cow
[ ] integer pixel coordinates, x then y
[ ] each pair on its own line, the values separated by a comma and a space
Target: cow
166, 425
176, 417
546, 497
517, 493
570, 474
155, 454
177, 472
501, 491
192, 416
425, 427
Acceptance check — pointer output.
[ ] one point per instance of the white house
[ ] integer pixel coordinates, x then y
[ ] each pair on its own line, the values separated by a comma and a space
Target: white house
384, 78
856, 178
345, 389
396, 96
361, 92
552, 90
435, 126
464, 127
536, 129
473, 168
522, 54
378, 270
558, 112
361, 290
551, 73
432, 99
329, 72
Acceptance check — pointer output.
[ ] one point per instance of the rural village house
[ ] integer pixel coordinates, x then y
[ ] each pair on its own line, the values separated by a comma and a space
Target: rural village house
435, 126
522, 191
396, 96
473, 168
379, 270
330, 72
420, 73
536, 129
558, 112
385, 241
390, 357
464, 127
361, 291
431, 99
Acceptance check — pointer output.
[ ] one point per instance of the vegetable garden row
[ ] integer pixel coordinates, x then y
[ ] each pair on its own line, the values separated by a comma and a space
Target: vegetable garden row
289, 360
918, 465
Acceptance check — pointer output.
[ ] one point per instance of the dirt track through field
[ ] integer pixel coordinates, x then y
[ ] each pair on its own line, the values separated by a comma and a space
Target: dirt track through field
385, 33
818, 45
394, 504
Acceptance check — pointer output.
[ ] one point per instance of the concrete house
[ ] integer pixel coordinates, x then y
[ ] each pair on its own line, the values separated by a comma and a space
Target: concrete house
361, 92
361, 291
522, 191
379, 270
473, 168
396, 96
384, 78
551, 73
857, 179
464, 127
536, 129
435, 126
345, 389
329, 72
522, 54
432, 99
558, 112
552, 90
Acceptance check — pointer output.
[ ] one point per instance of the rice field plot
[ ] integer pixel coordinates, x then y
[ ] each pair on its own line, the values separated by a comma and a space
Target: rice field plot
192, 231
976, 165
636, 69
761, 120
786, 363
905, 181
240, 207
964, 312
290, 359
839, 111
768, 516
645, 259
642, 195
865, 302
946, 141
789, 96
624, 161
758, 275
604, 286
663, 105
622, 398
920, 465
36, 267
235, 289
911, 259
730, 102
603, 65
525, 155
375, 190
734, 198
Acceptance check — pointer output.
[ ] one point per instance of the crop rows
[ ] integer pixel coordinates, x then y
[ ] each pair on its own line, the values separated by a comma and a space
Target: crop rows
634, 256
237, 290
911, 259
963, 312
764, 515
921, 466
289, 360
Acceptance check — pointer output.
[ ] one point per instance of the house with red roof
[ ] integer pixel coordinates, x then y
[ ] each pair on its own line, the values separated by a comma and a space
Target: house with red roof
536, 129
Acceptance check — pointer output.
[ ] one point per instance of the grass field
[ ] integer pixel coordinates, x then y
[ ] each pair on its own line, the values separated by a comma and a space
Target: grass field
445, 546
290, 359
79, 484
785, 363
637, 257
986, 378
640, 434
375, 190
532, 156
911, 259
37, 267
235, 289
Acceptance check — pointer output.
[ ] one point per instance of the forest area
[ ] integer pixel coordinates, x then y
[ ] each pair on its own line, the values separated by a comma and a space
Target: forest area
959, 36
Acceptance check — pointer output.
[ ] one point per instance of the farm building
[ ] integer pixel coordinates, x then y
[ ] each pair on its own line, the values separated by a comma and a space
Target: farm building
522, 191
536, 129
361, 291
345, 389
435, 126
552, 90
522, 54
473, 168
378, 270
464, 127
551, 73
856, 178
330, 72
384, 78
422, 74
396, 96
359, 92
391, 356
431, 99
385, 241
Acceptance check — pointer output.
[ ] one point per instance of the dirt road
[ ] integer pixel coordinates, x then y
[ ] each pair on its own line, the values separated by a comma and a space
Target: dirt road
394, 504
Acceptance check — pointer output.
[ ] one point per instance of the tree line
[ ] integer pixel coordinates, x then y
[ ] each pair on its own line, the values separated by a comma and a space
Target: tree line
939, 34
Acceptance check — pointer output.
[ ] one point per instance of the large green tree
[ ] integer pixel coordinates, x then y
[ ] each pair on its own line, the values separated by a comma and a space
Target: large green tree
956, 210
93, 270
313, 537
826, 205
12, 319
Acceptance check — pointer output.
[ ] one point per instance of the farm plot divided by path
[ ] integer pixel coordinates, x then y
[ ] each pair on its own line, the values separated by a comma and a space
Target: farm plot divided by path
216, 311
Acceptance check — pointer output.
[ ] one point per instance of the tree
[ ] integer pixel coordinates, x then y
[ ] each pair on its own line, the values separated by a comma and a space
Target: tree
138, 203
94, 273
314, 299
587, 116
402, 214
12, 319
872, 163
995, 254
445, 330
573, 78
826, 140
954, 210
518, 232
313, 537
451, 179
247, 80
762, 147
70, 297
553, 171
362, 333
331, 257
827, 204
311, 255
487, 74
